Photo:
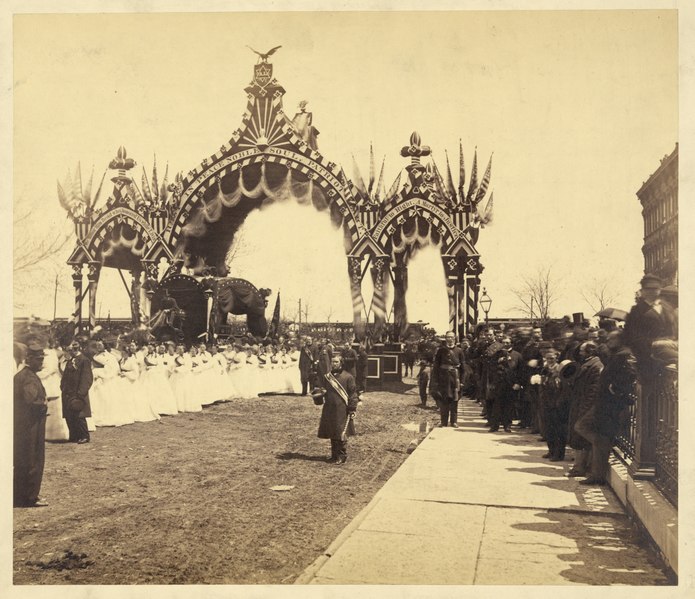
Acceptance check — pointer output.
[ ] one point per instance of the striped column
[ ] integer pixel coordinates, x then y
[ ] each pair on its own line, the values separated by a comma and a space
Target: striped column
358, 315
135, 297
380, 277
471, 305
93, 281
77, 285
451, 292
400, 308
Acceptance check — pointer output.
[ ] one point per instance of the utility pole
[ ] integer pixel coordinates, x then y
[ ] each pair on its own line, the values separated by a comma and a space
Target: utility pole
299, 324
55, 299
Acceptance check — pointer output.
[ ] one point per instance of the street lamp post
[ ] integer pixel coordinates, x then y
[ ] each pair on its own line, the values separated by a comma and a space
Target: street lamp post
485, 302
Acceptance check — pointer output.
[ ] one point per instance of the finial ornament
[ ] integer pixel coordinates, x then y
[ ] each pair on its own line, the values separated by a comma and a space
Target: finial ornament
263, 57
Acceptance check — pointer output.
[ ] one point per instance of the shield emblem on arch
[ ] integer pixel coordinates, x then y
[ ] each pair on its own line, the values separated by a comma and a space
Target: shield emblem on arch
263, 73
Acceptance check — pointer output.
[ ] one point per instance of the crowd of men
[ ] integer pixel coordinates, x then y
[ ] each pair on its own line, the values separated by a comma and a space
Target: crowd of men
574, 390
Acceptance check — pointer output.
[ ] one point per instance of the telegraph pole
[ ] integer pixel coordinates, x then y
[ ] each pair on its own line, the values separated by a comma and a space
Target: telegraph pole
55, 299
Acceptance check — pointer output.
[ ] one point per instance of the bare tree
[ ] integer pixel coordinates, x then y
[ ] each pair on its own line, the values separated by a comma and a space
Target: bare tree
38, 255
30, 250
537, 293
598, 294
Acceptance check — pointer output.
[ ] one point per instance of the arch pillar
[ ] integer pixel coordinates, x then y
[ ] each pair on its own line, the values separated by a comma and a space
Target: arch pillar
380, 271
462, 273
93, 272
77, 286
135, 290
359, 320
400, 289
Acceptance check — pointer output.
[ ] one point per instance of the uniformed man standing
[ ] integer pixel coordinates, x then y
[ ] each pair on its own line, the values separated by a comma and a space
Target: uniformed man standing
447, 372
339, 406
30, 408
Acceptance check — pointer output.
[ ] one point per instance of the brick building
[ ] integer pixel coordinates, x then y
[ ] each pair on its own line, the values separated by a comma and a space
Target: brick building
659, 198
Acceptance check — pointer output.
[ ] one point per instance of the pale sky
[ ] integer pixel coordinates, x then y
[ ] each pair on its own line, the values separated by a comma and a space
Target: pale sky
578, 108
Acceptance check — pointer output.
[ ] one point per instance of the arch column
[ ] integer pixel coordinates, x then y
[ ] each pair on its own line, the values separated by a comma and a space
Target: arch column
77, 286
400, 288
135, 289
358, 309
94, 270
463, 282
380, 277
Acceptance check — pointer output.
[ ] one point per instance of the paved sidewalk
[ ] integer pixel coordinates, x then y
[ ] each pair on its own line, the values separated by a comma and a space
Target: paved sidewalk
473, 507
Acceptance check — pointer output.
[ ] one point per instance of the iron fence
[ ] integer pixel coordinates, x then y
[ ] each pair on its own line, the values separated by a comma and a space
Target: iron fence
666, 477
625, 440
665, 414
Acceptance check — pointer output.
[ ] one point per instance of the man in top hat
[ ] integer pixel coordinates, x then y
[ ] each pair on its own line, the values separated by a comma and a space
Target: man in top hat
75, 385
650, 319
339, 406
30, 408
447, 372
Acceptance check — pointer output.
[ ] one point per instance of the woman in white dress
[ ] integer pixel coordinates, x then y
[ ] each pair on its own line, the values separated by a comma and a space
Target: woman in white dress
264, 372
116, 410
205, 373
220, 378
230, 355
130, 368
97, 404
155, 381
240, 376
180, 379
253, 373
287, 371
56, 427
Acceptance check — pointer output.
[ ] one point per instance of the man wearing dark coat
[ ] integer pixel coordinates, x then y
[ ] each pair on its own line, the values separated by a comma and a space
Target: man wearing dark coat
505, 379
616, 393
308, 362
650, 319
532, 364
489, 365
339, 406
74, 386
555, 407
361, 368
30, 408
447, 373
350, 360
584, 397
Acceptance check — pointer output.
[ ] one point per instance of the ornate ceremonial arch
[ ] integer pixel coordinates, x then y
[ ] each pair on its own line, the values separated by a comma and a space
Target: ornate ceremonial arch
158, 230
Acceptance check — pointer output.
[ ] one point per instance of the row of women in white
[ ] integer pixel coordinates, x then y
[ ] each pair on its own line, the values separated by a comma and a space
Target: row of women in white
142, 384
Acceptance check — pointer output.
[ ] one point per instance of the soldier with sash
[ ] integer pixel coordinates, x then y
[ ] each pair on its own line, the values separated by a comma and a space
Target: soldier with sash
339, 406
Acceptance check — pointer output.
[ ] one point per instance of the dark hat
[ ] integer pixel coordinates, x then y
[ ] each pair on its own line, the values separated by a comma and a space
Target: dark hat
34, 349
650, 281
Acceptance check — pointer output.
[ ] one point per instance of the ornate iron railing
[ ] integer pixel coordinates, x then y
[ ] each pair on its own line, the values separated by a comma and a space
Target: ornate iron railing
625, 440
665, 414
667, 434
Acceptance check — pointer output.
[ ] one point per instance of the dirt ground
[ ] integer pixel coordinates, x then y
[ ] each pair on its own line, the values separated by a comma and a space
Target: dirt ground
187, 500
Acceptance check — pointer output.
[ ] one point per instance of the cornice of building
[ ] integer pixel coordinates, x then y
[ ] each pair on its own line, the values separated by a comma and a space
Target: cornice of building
666, 161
